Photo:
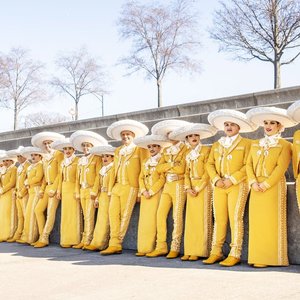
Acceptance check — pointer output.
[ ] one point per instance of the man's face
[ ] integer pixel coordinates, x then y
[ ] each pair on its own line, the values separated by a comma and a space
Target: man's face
21, 159
127, 137
47, 145
107, 159
7, 162
35, 157
68, 151
231, 129
86, 147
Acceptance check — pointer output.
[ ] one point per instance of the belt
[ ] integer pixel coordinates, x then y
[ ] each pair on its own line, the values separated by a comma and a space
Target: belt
173, 177
195, 178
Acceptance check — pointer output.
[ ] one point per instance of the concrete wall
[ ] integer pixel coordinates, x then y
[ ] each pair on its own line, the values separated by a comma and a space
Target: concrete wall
194, 112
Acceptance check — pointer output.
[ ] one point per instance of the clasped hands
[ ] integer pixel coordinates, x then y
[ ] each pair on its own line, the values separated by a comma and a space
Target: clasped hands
258, 187
224, 183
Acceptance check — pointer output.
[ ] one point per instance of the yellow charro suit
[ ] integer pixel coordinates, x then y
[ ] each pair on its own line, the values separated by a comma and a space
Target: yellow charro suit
151, 181
172, 165
296, 166
267, 210
101, 232
229, 162
198, 217
70, 226
21, 193
123, 189
35, 174
88, 168
8, 212
49, 202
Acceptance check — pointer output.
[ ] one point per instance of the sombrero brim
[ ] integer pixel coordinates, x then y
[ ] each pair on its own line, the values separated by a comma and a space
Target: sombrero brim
27, 151
38, 139
167, 126
294, 111
203, 130
114, 130
144, 141
61, 144
101, 150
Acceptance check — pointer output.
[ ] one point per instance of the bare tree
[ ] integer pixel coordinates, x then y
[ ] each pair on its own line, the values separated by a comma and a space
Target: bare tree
267, 30
20, 81
163, 38
43, 118
81, 75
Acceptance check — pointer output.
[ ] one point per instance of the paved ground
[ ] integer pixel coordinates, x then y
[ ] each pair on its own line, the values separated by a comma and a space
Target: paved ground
55, 273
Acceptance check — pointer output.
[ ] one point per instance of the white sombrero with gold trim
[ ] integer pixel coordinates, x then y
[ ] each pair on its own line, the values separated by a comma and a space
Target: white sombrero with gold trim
38, 139
203, 130
218, 117
27, 151
85, 136
152, 139
294, 111
258, 115
115, 129
104, 149
167, 126
61, 144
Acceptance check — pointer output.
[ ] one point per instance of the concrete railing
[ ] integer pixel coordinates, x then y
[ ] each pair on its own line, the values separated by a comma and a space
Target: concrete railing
193, 112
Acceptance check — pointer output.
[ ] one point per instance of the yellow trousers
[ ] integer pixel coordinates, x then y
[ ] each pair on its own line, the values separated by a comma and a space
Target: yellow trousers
198, 223
45, 225
147, 223
121, 205
30, 233
172, 195
21, 209
88, 210
101, 232
70, 226
268, 226
8, 216
229, 204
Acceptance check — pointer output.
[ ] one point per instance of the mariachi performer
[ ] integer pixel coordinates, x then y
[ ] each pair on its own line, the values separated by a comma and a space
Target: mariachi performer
226, 168
198, 218
88, 168
267, 163
101, 232
150, 185
124, 184
21, 192
294, 112
48, 202
172, 166
8, 212
70, 226
33, 182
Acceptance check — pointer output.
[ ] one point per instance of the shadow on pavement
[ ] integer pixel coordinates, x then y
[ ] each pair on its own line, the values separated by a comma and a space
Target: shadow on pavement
86, 258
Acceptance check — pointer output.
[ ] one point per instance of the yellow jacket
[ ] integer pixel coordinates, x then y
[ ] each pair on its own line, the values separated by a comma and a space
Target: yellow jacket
102, 181
196, 176
269, 166
51, 167
21, 190
128, 167
229, 162
150, 180
173, 164
296, 153
8, 179
86, 173
67, 173
35, 175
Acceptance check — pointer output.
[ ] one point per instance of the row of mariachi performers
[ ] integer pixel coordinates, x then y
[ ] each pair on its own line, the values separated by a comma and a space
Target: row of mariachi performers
171, 167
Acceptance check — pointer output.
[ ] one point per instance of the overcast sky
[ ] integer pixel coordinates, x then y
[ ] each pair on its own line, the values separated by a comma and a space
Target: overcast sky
47, 27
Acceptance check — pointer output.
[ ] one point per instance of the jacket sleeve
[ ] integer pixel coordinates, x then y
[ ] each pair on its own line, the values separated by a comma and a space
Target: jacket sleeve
205, 178
142, 187
38, 175
96, 188
12, 181
281, 167
211, 166
158, 185
296, 153
250, 171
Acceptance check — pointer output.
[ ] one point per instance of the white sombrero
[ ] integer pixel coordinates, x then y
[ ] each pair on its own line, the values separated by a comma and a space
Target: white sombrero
115, 129
12, 155
203, 130
16, 152
61, 144
152, 139
38, 139
101, 150
27, 151
167, 126
218, 117
258, 115
294, 111
84, 136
